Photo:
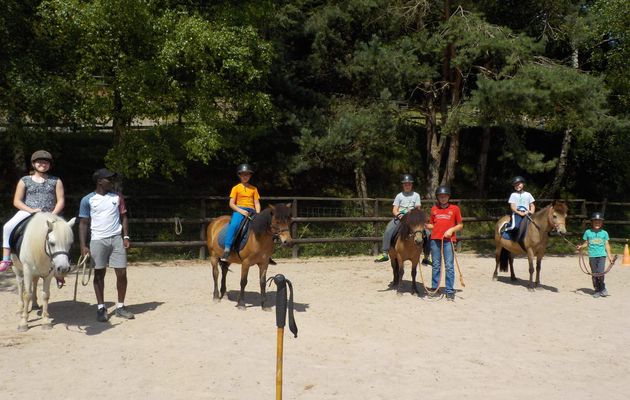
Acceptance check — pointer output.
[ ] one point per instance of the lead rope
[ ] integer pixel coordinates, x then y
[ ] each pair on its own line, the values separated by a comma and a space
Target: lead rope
442, 267
82, 264
582, 262
178, 226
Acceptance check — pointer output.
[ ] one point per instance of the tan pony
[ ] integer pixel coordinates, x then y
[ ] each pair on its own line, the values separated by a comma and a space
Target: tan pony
408, 247
271, 224
551, 218
43, 254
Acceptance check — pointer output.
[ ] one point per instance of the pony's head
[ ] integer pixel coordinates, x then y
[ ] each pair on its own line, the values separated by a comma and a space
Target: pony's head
275, 219
412, 225
59, 238
558, 216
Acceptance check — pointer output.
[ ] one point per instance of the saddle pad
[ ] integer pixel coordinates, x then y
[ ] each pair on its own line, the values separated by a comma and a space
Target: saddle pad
242, 234
17, 235
517, 235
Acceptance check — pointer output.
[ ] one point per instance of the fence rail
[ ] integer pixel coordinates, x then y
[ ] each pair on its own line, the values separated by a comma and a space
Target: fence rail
370, 215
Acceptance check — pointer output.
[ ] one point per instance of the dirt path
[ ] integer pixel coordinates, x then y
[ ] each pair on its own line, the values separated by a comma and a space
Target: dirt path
357, 339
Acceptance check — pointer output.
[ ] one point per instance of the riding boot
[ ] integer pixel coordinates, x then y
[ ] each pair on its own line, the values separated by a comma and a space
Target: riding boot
226, 255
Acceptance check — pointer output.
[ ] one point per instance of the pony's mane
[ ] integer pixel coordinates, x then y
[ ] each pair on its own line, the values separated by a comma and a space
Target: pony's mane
558, 205
411, 220
35, 235
262, 221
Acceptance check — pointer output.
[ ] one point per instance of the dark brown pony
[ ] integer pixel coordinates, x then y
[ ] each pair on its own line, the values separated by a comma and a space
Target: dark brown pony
408, 247
271, 224
550, 218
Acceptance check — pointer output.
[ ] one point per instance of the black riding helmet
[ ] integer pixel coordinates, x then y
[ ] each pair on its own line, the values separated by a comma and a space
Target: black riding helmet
406, 178
442, 190
244, 168
517, 179
597, 215
41, 155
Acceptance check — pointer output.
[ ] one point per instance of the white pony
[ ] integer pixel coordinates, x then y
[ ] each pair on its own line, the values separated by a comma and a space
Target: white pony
43, 254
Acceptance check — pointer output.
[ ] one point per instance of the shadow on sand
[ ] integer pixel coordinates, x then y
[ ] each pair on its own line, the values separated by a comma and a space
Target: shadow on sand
252, 299
525, 283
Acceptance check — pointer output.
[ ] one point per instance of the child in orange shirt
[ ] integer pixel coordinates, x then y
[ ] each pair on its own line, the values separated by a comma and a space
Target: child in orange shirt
245, 201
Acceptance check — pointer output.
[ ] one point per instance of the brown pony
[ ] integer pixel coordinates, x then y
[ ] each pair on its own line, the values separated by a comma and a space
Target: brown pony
272, 223
408, 247
550, 218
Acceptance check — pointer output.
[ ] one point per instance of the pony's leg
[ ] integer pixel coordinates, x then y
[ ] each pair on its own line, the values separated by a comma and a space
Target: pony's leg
394, 264
19, 277
35, 306
215, 277
224, 272
262, 268
241, 296
27, 293
530, 261
46, 323
511, 262
401, 272
497, 258
538, 266
414, 272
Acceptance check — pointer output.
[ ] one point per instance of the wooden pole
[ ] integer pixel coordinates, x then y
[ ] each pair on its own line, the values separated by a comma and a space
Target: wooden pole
279, 356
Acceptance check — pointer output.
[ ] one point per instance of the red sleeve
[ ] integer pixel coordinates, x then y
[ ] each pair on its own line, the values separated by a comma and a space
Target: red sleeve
458, 216
432, 216
122, 209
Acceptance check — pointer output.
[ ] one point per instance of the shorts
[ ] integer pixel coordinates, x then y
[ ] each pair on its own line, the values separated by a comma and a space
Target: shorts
108, 252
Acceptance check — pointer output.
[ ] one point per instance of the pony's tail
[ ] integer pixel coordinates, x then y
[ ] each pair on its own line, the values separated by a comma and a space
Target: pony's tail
503, 260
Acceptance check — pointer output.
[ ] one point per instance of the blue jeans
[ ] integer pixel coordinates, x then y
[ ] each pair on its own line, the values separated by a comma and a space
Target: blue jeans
436, 255
235, 222
390, 230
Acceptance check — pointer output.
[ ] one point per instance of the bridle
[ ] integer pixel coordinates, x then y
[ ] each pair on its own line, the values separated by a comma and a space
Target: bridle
48, 248
549, 220
275, 231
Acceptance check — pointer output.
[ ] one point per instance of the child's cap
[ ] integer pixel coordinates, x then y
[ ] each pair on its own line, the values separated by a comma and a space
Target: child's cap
597, 215
517, 179
406, 178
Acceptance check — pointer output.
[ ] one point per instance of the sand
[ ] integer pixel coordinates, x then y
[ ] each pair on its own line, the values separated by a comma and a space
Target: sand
357, 339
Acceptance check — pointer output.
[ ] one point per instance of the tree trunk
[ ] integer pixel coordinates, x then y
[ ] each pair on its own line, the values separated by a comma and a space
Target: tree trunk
482, 162
361, 184
451, 162
434, 150
554, 188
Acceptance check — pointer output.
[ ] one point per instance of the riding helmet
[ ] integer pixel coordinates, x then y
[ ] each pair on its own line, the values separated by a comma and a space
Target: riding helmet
442, 190
597, 215
244, 168
41, 155
517, 179
407, 178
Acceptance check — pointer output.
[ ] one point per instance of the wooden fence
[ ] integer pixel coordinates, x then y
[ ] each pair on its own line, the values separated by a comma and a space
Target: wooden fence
375, 213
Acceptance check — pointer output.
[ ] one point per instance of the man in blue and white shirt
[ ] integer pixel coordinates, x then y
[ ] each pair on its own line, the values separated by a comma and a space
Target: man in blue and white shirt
104, 212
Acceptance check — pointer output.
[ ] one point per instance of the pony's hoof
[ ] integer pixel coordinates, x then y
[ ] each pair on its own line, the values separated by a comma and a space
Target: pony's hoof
266, 308
22, 328
36, 307
241, 307
531, 289
495, 277
399, 293
47, 326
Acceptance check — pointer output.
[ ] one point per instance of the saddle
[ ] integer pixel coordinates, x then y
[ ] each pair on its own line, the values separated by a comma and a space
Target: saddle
518, 235
395, 235
17, 235
240, 239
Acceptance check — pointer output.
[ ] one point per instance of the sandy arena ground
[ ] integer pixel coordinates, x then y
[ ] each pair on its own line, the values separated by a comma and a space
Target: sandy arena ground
357, 339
